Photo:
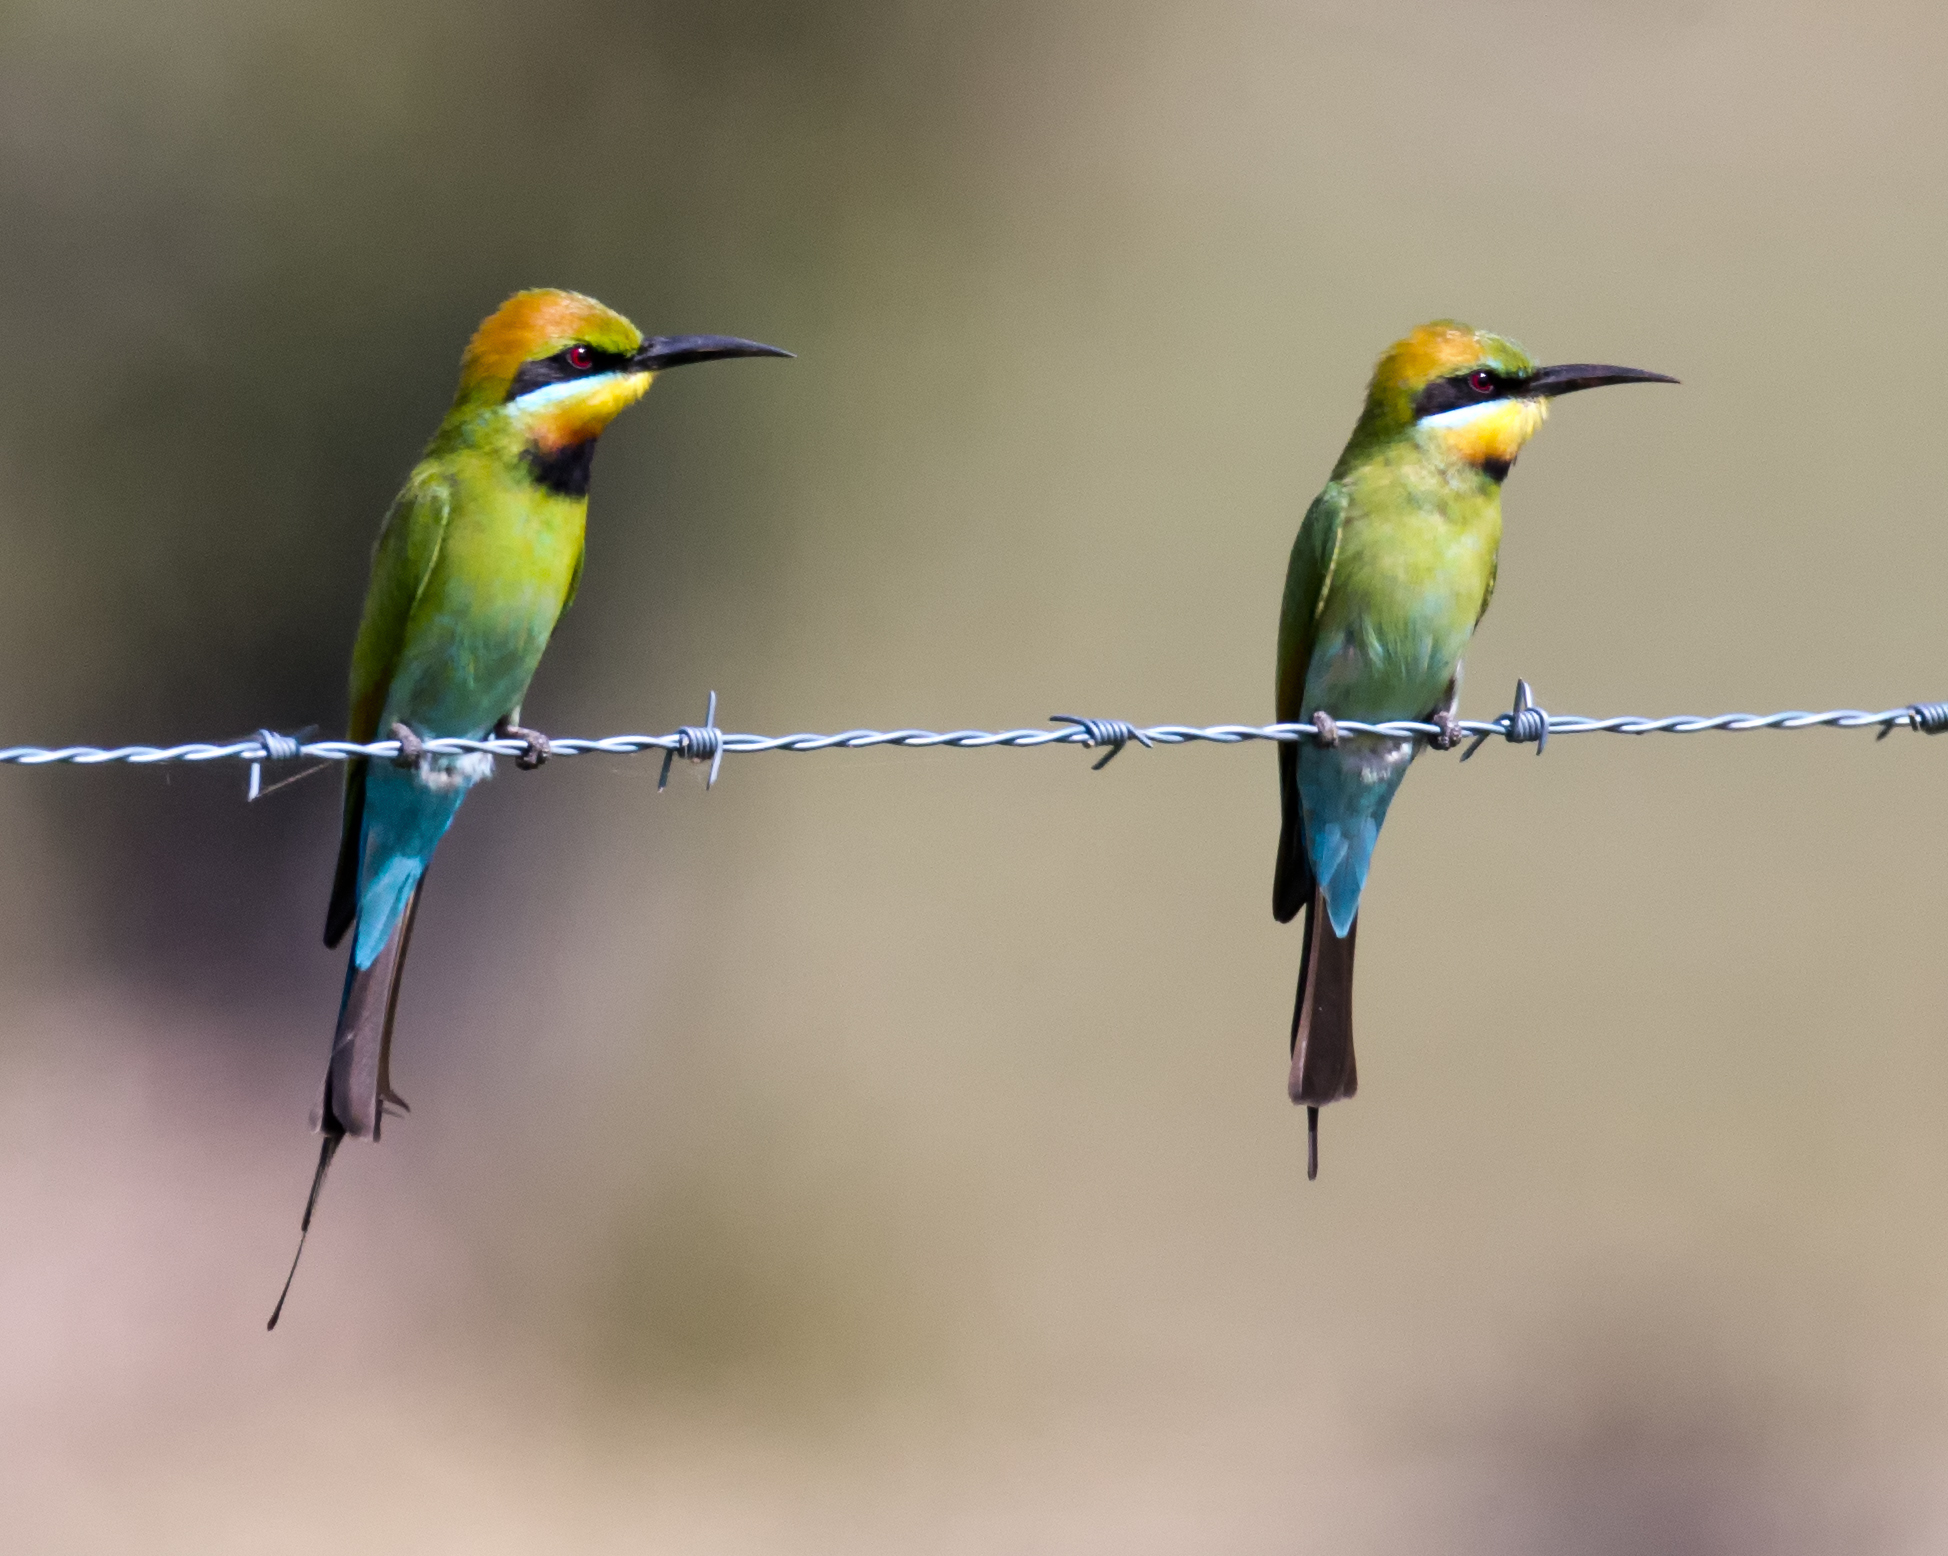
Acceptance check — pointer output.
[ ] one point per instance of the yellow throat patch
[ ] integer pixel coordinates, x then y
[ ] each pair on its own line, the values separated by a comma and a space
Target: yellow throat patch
1486, 435
565, 414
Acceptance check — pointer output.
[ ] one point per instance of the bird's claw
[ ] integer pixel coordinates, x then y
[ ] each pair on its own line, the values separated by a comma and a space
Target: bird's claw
538, 749
411, 747
1451, 733
1328, 731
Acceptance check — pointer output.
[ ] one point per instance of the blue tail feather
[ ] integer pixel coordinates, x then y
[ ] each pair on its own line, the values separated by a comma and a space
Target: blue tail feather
405, 818
1346, 790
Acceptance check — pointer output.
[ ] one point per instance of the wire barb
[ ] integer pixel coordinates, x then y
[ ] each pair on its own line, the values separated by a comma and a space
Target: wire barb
277, 748
1930, 718
696, 744
1526, 721
1114, 733
1521, 725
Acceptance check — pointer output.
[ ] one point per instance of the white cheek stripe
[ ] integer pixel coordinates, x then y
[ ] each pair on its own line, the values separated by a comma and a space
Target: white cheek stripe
556, 394
1462, 415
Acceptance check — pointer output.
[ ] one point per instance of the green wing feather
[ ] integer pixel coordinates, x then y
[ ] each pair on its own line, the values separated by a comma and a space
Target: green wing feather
1307, 579
1488, 594
402, 560
574, 583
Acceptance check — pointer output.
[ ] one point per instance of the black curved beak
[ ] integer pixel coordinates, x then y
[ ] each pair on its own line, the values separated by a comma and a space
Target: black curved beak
661, 351
1568, 377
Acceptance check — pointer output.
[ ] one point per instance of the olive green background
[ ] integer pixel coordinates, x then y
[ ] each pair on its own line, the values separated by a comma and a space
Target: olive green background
889, 1152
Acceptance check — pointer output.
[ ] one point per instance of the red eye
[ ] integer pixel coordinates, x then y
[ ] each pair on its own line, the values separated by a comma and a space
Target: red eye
582, 359
1482, 383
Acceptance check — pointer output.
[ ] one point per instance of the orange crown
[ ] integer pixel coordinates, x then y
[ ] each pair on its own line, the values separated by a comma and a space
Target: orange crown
535, 324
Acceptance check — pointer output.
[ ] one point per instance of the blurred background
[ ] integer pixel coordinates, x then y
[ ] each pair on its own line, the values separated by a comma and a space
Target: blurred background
889, 1152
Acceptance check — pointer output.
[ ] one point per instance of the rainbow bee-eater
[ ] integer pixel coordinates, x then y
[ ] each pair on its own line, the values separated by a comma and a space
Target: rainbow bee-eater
475, 563
1392, 570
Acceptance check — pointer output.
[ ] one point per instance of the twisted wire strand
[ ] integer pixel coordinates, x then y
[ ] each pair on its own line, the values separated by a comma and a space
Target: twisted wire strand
708, 743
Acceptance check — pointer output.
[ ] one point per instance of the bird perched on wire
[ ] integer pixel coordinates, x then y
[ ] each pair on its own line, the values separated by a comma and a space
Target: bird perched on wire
1392, 569
475, 563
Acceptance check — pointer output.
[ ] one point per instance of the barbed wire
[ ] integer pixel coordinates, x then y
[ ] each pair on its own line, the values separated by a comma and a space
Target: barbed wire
1525, 723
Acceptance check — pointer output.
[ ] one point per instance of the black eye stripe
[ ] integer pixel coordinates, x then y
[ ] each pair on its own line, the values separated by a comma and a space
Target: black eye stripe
557, 369
1455, 391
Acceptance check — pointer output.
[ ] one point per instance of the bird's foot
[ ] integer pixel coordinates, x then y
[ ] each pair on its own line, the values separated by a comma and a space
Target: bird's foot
411, 747
1450, 735
1328, 731
538, 749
